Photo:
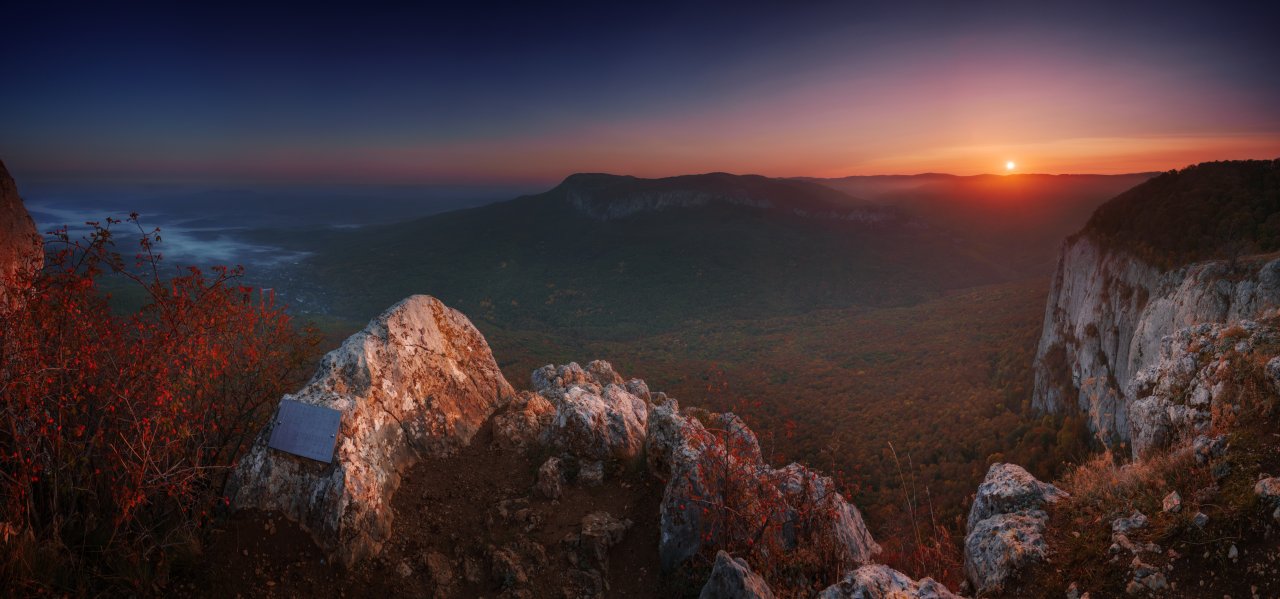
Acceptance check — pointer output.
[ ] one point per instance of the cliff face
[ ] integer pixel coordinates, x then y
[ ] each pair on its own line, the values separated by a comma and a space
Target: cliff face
1108, 312
20, 248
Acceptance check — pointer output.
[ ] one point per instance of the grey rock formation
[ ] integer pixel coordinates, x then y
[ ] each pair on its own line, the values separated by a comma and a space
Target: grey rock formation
1132, 522
21, 251
521, 423
1107, 314
1000, 546
732, 578
1005, 529
1010, 488
418, 381
706, 464
878, 581
550, 478
597, 417
1192, 380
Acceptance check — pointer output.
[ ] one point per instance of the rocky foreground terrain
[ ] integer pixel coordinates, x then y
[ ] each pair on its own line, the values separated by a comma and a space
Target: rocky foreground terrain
448, 482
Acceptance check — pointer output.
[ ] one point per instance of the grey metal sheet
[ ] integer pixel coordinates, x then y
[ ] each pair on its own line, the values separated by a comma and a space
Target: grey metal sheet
306, 430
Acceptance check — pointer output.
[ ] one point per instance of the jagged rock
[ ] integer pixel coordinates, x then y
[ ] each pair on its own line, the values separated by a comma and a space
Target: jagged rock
1002, 545
732, 578
1268, 490
1172, 503
1207, 448
878, 581
588, 553
523, 421
801, 486
439, 571
21, 250
1200, 520
1132, 522
1233, 553
591, 473
1272, 370
705, 464
1005, 528
1150, 424
600, 531
1010, 488
418, 381
662, 437
551, 478
1145, 576
512, 564
596, 416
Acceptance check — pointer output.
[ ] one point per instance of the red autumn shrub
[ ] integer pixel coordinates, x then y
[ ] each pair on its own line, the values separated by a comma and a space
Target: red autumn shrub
117, 430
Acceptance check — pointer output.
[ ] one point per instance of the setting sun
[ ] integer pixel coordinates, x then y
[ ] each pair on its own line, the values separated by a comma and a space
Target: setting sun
1009, 166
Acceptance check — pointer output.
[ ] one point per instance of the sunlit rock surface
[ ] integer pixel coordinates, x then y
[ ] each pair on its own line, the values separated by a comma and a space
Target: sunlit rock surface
418, 381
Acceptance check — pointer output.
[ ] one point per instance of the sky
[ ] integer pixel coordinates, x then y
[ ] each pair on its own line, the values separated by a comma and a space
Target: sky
527, 94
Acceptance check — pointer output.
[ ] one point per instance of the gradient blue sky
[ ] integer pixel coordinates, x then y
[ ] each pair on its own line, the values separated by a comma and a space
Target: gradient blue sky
529, 94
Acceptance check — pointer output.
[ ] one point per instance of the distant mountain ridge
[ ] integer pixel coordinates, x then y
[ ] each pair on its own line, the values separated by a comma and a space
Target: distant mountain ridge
605, 197
624, 254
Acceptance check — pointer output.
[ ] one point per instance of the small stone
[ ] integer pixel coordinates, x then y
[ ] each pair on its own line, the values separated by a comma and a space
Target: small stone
550, 479
1172, 503
1221, 470
1073, 591
1201, 519
1134, 521
1233, 553
591, 474
404, 569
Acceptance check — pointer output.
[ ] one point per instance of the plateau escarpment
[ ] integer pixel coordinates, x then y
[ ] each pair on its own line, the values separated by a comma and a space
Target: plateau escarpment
1114, 297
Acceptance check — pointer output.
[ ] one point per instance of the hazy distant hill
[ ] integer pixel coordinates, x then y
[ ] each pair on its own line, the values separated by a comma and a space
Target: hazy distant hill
612, 255
1019, 220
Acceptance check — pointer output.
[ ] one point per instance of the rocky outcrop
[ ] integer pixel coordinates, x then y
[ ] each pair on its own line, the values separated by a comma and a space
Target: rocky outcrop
1005, 530
721, 464
732, 578
597, 415
418, 381
1194, 381
878, 581
21, 252
1009, 488
1108, 312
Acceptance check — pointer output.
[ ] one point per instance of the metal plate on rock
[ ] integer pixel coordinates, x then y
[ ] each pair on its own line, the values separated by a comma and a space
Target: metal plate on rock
306, 430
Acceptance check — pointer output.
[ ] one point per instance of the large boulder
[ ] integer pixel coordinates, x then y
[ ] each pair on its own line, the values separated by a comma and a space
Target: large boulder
878, 581
418, 381
999, 547
21, 252
1005, 529
732, 578
597, 415
1010, 488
